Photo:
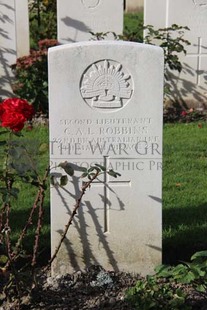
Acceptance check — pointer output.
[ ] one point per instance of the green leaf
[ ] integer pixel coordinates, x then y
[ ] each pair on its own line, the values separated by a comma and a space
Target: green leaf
101, 167
92, 169
85, 174
82, 169
67, 167
197, 270
201, 288
113, 173
63, 180
43, 148
188, 278
3, 259
199, 254
163, 271
3, 132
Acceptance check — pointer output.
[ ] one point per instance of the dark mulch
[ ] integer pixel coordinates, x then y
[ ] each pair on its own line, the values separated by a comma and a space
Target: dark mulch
92, 289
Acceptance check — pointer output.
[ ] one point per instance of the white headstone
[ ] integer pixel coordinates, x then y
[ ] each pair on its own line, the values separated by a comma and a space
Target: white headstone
22, 27
14, 39
191, 85
76, 18
106, 107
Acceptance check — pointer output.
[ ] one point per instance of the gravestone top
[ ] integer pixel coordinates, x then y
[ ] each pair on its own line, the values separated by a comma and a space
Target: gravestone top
14, 37
106, 108
189, 86
77, 18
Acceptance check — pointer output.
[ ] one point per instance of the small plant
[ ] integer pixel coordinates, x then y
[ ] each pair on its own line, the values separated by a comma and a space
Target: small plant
151, 293
18, 167
31, 74
194, 273
171, 39
43, 21
172, 114
165, 290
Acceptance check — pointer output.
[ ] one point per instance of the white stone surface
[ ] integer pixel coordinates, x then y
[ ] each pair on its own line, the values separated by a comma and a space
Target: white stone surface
106, 107
76, 18
22, 27
14, 39
191, 84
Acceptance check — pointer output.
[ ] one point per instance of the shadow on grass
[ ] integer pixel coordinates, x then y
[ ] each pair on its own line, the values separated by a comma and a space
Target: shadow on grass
189, 231
18, 220
188, 225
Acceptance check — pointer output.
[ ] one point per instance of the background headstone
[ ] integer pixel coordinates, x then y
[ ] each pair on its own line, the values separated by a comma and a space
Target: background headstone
14, 39
106, 107
189, 87
76, 18
22, 27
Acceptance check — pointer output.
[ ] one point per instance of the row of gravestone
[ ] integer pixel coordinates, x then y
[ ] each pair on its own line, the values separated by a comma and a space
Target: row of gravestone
76, 18
106, 108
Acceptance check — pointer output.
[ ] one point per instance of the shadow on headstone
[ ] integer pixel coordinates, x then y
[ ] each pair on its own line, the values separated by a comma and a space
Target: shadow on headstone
81, 226
180, 88
7, 51
77, 25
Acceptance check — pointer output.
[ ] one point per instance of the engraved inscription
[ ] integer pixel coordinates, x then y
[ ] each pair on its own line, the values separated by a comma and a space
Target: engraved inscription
106, 86
118, 137
90, 4
201, 3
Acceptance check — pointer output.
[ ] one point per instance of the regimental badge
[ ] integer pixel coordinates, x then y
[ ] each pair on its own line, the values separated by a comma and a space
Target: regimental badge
106, 85
90, 4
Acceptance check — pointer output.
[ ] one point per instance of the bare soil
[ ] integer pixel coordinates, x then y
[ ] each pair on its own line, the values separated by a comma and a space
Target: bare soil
92, 289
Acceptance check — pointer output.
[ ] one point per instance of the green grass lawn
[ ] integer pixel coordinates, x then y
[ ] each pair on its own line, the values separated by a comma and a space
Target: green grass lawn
184, 191
133, 23
36, 142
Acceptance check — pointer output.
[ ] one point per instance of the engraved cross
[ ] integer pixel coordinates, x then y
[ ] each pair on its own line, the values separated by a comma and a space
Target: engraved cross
199, 56
107, 186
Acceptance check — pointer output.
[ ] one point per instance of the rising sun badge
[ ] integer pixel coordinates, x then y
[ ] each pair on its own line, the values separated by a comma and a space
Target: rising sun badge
106, 86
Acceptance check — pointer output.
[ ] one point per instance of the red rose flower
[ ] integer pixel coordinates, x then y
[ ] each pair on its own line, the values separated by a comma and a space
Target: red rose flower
14, 121
18, 105
14, 112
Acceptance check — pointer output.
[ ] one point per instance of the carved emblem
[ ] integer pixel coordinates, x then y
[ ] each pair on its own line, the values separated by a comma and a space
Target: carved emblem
90, 4
201, 3
106, 85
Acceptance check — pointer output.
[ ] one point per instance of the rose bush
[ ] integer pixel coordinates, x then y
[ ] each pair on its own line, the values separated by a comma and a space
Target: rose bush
19, 172
14, 112
31, 77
